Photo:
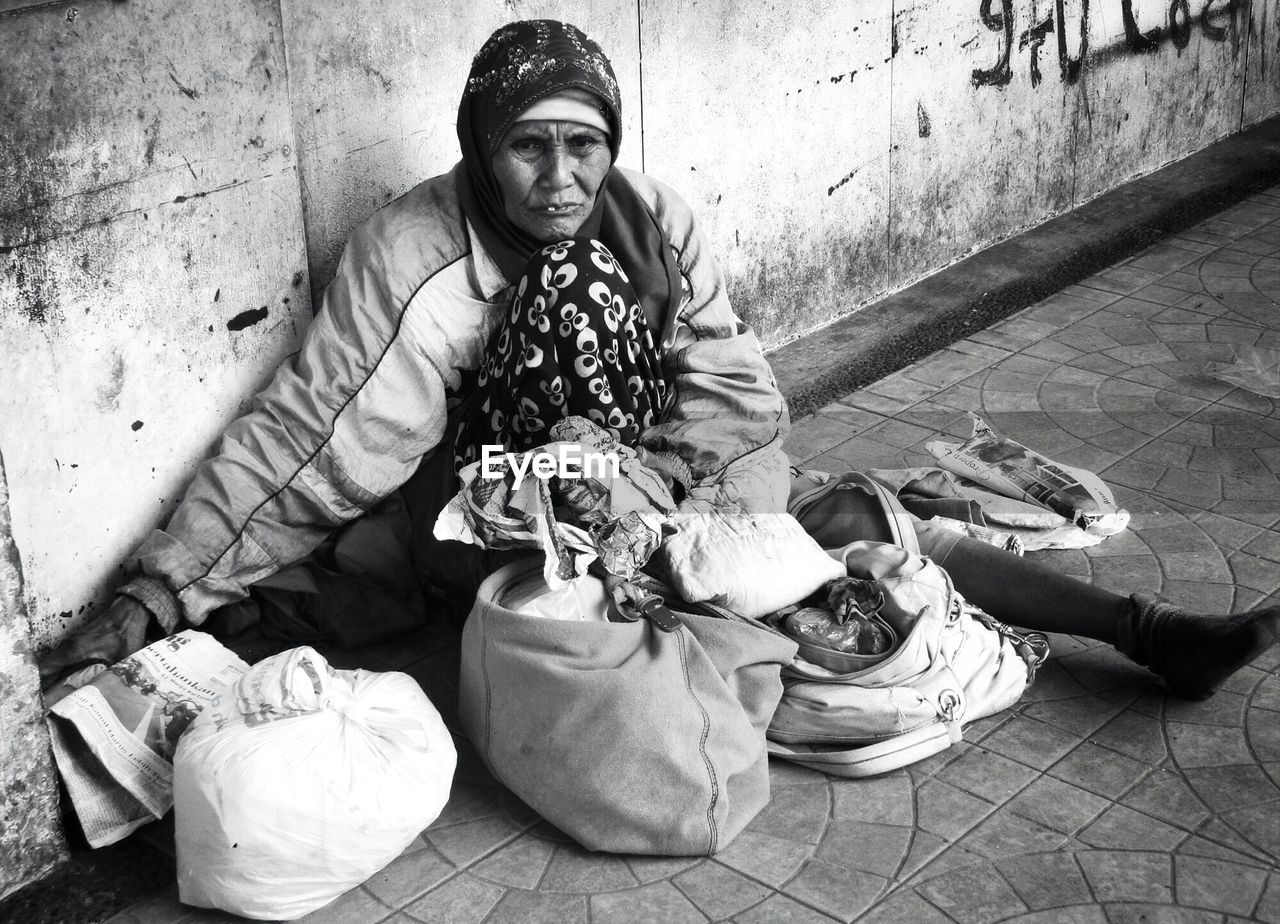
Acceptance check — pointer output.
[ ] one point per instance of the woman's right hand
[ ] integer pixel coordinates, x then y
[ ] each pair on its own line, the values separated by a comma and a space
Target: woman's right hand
110, 637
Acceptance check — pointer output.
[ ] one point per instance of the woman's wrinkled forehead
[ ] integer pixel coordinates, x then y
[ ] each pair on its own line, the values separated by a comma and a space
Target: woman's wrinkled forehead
524, 62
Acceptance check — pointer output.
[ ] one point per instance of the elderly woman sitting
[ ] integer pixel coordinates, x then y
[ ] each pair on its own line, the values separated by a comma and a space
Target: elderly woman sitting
534, 281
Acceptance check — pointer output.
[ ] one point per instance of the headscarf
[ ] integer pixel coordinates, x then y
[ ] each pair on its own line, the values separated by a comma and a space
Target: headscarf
519, 65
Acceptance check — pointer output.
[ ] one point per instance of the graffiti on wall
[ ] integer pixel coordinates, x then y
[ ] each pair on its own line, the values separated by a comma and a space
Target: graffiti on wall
1068, 20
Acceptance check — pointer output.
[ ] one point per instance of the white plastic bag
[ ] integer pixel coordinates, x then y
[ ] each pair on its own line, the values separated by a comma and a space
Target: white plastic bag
303, 783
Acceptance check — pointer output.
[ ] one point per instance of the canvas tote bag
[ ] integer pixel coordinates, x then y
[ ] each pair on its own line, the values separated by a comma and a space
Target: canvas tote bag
629, 737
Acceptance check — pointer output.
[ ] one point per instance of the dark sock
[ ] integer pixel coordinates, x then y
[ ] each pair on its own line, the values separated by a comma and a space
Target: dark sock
1194, 653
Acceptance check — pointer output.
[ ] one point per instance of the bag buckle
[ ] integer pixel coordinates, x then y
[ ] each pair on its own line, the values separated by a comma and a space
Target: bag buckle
633, 602
949, 702
654, 609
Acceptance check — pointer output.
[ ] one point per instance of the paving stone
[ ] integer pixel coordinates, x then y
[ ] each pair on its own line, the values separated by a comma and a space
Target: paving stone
463, 843
855, 418
1122, 828
924, 848
660, 901
816, 434
1006, 834
1197, 745
973, 895
771, 860
795, 812
1057, 805
408, 876
884, 799
651, 869
355, 906
837, 890
518, 907
1222, 709
1128, 875
949, 812
1038, 744
462, 900
719, 892
864, 846
904, 907
987, 775
519, 864
1269, 907
573, 869
1218, 885
1166, 795
1046, 880
780, 909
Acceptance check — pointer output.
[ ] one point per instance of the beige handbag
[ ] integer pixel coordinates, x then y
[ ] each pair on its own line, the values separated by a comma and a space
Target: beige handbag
954, 663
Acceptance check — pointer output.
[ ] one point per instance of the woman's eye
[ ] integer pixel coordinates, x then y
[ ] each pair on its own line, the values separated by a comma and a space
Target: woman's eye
583, 143
526, 146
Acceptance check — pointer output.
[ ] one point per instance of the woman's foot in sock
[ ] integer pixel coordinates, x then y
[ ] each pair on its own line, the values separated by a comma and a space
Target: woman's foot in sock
1194, 653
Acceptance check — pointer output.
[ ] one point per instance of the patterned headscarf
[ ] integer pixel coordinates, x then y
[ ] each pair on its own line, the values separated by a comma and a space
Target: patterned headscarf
520, 64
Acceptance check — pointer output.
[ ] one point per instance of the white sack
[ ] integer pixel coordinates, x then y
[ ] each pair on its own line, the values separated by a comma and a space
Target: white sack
303, 783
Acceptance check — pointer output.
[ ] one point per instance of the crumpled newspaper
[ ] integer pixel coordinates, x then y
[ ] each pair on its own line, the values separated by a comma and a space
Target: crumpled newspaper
1003, 465
613, 510
1256, 369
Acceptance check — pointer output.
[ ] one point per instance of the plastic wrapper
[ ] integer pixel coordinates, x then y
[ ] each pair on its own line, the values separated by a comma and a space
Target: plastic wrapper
303, 782
1005, 466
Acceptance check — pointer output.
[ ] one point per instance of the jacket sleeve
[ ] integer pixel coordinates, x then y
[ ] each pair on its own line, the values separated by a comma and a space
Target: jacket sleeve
722, 435
342, 424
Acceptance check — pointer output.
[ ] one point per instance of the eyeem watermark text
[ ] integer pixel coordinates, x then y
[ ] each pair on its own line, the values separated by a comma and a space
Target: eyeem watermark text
570, 461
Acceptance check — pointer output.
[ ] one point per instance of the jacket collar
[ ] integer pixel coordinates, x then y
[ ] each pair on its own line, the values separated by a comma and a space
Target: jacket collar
488, 276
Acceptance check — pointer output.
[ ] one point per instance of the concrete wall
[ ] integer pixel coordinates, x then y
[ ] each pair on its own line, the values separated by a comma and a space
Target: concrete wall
176, 182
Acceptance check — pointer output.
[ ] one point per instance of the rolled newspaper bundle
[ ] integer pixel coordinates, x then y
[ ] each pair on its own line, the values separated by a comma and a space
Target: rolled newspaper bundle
1005, 466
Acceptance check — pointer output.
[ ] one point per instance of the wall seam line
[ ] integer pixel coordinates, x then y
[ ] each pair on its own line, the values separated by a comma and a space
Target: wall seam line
640, 56
888, 223
297, 156
1244, 73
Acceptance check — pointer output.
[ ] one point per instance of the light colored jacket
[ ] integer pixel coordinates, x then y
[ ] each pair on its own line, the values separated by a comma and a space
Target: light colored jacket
347, 419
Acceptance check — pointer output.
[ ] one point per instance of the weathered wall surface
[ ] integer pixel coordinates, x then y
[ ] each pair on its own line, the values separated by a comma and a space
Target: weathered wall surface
30, 837
776, 130
152, 267
176, 181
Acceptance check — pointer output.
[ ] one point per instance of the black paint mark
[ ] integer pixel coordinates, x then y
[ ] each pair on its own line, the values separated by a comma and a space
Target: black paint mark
1180, 32
152, 134
831, 189
1035, 37
186, 91
217, 294
247, 318
297, 279
372, 71
136, 426
1138, 42
1000, 75
922, 120
893, 39
257, 141
1071, 66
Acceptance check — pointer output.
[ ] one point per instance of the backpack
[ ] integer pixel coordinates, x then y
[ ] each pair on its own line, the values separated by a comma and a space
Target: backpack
954, 664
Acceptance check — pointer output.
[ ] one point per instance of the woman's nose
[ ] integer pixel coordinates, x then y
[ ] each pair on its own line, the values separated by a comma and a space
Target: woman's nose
557, 172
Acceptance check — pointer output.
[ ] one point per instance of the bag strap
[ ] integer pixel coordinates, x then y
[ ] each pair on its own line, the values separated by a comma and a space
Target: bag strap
874, 759
897, 520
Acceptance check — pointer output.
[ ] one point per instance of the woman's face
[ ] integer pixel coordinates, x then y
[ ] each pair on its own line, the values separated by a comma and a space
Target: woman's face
549, 173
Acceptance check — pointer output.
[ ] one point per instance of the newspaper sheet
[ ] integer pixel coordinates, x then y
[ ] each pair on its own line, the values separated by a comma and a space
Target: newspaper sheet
114, 738
1004, 465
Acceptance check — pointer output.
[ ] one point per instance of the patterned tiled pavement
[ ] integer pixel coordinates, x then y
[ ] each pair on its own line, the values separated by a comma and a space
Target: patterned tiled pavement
1096, 799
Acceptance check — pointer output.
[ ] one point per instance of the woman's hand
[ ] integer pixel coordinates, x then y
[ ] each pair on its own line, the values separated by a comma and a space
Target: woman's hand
110, 637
